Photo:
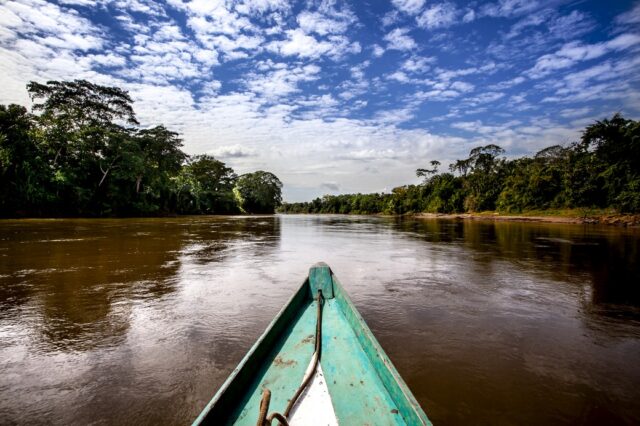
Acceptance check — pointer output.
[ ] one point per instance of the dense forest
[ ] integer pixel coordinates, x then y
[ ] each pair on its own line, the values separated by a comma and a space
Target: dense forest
81, 152
602, 170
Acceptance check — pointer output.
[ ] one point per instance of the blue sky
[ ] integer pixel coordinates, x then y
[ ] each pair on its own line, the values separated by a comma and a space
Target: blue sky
334, 96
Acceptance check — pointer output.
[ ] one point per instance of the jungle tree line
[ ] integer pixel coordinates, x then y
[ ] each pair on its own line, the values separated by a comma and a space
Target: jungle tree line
81, 152
602, 170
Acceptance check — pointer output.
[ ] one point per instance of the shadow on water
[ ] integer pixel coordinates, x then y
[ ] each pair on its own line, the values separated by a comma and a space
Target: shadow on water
606, 258
516, 312
83, 275
89, 298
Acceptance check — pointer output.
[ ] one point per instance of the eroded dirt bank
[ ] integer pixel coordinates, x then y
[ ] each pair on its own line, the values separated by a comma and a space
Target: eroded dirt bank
612, 219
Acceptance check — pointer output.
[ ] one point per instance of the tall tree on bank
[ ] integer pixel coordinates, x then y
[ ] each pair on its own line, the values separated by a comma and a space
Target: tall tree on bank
82, 154
258, 192
205, 185
614, 145
24, 175
83, 129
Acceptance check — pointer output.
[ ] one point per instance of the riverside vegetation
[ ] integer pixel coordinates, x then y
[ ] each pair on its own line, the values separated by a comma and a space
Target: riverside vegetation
82, 153
601, 171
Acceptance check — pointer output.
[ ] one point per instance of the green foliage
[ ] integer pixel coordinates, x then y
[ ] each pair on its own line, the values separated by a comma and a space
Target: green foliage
600, 171
24, 176
80, 156
258, 192
205, 185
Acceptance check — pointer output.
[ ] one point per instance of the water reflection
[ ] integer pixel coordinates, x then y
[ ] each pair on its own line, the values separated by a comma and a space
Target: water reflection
604, 258
139, 321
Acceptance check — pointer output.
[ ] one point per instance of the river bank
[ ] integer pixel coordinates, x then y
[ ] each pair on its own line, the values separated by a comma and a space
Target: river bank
570, 216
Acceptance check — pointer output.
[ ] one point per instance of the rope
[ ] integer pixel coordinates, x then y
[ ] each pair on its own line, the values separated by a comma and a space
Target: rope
263, 419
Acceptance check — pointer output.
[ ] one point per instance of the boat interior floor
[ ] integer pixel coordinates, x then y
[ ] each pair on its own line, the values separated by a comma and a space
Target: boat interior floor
355, 390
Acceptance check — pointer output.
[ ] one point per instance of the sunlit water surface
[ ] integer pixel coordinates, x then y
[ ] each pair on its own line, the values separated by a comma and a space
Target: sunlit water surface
140, 320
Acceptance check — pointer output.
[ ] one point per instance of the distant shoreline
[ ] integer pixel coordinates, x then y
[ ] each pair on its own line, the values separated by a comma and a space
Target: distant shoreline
566, 217
626, 220
570, 216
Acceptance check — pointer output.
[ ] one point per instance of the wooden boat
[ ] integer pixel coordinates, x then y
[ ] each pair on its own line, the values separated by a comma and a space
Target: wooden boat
316, 364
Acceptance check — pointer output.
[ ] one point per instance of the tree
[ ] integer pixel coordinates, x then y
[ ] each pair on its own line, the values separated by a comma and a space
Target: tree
161, 159
258, 192
79, 103
24, 176
615, 144
425, 173
82, 125
483, 177
205, 185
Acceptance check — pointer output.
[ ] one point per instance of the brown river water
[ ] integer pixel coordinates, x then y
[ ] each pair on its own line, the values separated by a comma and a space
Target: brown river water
139, 321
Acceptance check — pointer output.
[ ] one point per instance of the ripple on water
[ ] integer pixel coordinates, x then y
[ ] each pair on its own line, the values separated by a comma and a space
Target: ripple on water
139, 321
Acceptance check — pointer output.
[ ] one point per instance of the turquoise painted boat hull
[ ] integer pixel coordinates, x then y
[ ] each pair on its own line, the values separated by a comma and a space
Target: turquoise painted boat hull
363, 385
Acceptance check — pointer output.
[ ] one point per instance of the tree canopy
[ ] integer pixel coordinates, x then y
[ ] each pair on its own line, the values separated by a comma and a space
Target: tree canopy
258, 192
82, 152
602, 170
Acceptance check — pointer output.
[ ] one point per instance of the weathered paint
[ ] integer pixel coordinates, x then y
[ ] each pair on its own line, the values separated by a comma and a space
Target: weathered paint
320, 279
357, 393
363, 385
407, 405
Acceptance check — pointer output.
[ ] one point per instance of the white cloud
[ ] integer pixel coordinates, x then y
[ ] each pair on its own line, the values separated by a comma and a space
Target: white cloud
400, 77
390, 18
411, 7
281, 80
436, 95
529, 21
148, 7
108, 60
572, 25
462, 86
574, 52
377, 50
326, 20
448, 75
372, 155
232, 151
50, 25
260, 7
298, 43
507, 84
440, 15
418, 64
575, 112
314, 22
611, 80
630, 17
469, 16
212, 17
508, 8
399, 40
165, 55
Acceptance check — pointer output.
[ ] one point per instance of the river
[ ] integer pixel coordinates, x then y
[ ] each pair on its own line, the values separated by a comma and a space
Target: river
140, 320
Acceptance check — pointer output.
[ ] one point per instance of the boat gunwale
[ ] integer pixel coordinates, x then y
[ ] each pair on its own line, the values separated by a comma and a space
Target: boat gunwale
386, 363
271, 328
363, 333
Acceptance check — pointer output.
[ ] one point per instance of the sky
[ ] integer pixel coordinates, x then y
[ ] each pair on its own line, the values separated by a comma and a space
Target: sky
339, 97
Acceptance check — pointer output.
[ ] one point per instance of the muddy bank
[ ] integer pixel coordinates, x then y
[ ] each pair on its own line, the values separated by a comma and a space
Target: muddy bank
617, 220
